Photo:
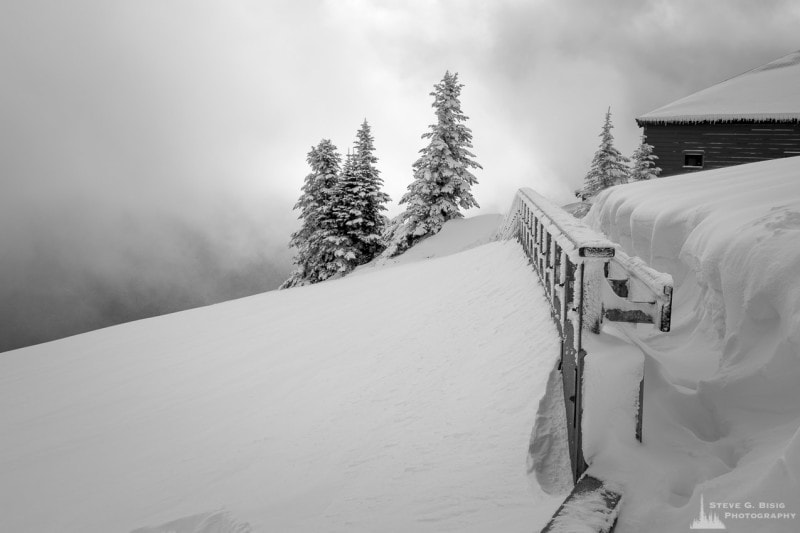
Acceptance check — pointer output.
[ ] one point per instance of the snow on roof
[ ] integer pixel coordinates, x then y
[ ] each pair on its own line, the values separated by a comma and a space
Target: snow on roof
765, 94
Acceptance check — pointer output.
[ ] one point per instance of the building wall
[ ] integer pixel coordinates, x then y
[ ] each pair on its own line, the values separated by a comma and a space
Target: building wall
722, 145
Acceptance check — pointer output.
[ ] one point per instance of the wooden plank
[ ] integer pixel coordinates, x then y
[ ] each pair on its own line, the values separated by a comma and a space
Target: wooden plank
591, 506
634, 316
640, 411
725, 144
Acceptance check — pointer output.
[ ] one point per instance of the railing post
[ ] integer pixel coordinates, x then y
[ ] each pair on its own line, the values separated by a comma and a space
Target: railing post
571, 365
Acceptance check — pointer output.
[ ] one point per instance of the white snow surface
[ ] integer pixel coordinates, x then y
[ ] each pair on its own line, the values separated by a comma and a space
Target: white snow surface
769, 92
722, 389
401, 399
456, 236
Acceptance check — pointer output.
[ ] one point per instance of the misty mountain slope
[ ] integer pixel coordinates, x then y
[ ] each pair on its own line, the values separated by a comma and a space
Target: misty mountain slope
401, 399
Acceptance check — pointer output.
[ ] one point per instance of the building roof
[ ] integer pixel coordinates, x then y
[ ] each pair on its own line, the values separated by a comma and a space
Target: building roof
769, 93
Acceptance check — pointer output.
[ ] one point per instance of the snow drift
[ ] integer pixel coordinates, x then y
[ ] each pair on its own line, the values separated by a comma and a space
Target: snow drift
722, 402
401, 399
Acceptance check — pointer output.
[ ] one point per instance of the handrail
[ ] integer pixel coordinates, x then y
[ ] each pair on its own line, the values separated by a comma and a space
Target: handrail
638, 293
584, 240
572, 260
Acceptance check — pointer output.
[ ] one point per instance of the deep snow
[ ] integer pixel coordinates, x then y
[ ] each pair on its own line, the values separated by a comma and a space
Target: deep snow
722, 389
400, 399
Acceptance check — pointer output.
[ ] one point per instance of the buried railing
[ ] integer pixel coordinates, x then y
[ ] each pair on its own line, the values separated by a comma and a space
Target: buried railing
587, 279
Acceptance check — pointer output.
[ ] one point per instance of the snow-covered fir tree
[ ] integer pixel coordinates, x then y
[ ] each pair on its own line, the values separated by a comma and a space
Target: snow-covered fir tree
643, 163
346, 207
357, 204
368, 228
341, 212
609, 166
442, 177
315, 260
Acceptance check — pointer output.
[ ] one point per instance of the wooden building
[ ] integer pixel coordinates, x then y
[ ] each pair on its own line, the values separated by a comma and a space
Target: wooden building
752, 117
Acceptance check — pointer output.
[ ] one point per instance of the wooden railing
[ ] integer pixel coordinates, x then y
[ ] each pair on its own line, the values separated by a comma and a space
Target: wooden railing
636, 293
587, 280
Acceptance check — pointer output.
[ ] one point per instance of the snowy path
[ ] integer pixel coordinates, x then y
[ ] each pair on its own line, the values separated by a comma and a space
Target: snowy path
400, 399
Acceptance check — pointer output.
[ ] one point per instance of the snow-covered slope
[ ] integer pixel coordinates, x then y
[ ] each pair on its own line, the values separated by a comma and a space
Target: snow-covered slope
401, 399
722, 390
455, 236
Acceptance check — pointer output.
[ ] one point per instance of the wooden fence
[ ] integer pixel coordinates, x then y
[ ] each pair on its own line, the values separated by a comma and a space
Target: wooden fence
587, 280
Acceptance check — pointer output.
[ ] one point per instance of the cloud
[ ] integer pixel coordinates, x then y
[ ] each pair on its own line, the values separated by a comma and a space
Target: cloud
563, 63
539, 76
151, 152
134, 160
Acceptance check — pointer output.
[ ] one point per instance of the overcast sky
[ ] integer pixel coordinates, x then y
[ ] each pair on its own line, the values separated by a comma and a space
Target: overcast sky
138, 136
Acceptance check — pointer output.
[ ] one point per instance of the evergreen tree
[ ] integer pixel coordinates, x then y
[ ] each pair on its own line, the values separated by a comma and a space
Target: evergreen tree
442, 177
609, 166
357, 204
347, 210
314, 260
367, 230
644, 166
341, 212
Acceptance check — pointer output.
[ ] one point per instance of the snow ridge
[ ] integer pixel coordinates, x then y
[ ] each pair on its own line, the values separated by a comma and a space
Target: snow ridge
722, 407
214, 522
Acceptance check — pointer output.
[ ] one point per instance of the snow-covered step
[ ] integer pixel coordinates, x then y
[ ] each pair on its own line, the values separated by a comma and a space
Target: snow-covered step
591, 506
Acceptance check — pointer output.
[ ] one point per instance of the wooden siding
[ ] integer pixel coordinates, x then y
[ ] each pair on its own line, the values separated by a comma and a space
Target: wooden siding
723, 145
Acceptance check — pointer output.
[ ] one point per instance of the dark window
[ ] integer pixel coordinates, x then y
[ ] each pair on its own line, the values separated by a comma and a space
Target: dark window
693, 160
